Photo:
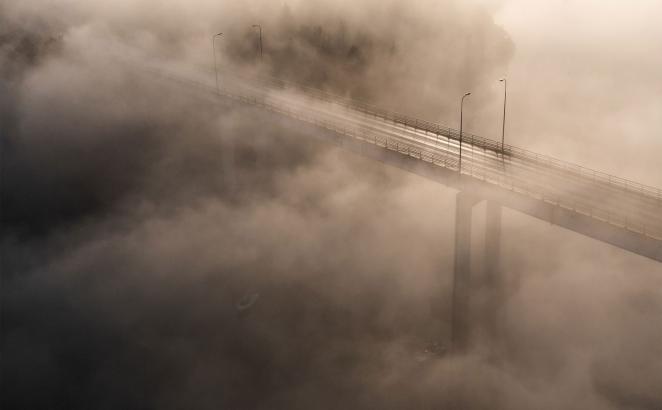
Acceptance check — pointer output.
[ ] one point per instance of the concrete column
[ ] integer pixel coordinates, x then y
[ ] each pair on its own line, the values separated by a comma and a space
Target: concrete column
493, 279
461, 278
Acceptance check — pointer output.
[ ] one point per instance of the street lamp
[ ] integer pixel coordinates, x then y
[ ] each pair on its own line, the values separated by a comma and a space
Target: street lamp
260, 27
461, 118
213, 45
503, 129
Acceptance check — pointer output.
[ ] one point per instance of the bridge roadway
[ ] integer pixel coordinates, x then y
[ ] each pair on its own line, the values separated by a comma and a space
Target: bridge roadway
607, 208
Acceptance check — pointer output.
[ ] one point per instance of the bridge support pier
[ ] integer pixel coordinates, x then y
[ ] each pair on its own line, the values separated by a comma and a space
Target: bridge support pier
493, 280
462, 272
463, 286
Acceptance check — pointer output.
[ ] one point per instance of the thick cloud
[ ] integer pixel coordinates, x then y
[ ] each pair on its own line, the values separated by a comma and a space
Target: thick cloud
141, 268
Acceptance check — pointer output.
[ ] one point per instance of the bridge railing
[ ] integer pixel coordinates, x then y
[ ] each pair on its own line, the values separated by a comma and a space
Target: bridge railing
476, 140
449, 160
428, 154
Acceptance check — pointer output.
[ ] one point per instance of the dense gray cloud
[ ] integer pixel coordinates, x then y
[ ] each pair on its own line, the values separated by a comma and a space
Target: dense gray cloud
129, 252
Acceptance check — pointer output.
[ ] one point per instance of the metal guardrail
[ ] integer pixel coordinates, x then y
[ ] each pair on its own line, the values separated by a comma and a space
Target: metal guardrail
478, 141
450, 161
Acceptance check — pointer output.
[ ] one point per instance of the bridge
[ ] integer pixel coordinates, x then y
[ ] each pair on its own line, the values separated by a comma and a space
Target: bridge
604, 207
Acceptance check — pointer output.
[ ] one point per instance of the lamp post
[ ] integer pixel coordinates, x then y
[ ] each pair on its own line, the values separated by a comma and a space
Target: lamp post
259, 27
213, 45
461, 119
503, 127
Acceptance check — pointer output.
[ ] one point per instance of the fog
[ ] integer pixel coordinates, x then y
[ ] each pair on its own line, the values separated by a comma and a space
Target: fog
162, 250
586, 82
